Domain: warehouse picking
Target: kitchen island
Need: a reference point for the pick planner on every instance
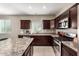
(17, 47)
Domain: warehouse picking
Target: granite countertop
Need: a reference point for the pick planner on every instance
(5, 47)
(71, 45)
(42, 34)
(15, 47)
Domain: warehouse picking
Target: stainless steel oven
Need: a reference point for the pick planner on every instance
(57, 46)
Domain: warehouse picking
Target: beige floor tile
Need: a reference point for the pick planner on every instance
(43, 51)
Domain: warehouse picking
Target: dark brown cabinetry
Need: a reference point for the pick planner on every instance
(62, 19)
(66, 51)
(51, 41)
(52, 24)
(46, 24)
(56, 22)
(73, 16)
(41, 40)
(25, 24)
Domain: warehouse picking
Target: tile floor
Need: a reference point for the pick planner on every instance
(43, 51)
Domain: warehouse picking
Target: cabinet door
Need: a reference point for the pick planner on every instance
(73, 17)
(52, 24)
(46, 24)
(51, 41)
(56, 22)
(45, 40)
(25, 24)
(41, 41)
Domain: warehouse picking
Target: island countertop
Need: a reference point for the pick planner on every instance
(15, 47)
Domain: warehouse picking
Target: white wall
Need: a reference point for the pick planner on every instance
(15, 23)
(78, 21)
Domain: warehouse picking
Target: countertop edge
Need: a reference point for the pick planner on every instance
(73, 48)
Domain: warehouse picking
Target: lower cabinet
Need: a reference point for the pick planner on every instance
(28, 51)
(66, 51)
(38, 41)
(41, 41)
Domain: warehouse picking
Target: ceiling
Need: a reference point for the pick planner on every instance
(31, 8)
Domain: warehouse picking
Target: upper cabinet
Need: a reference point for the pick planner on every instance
(56, 22)
(25, 24)
(46, 24)
(68, 19)
(62, 21)
(52, 24)
(73, 16)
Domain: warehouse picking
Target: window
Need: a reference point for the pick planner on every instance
(5, 26)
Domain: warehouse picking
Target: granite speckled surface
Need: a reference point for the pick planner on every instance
(71, 45)
(15, 47)
(42, 34)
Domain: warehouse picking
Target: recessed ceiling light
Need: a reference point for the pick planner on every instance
(44, 7)
(30, 7)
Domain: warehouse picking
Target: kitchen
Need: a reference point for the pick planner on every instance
(35, 33)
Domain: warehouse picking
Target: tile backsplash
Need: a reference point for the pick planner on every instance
(67, 30)
(38, 31)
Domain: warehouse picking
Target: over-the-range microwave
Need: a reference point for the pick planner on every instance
(64, 23)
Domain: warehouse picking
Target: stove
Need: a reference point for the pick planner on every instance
(57, 46)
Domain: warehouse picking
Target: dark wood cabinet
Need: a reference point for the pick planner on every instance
(56, 22)
(52, 25)
(46, 24)
(71, 13)
(62, 19)
(25, 24)
(67, 51)
(41, 41)
(51, 41)
(73, 17)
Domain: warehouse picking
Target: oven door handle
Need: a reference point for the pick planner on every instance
(57, 42)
